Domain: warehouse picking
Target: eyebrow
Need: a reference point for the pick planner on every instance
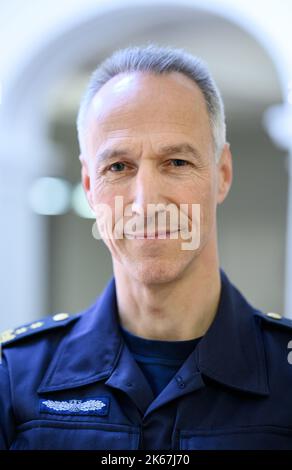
(183, 148)
(109, 154)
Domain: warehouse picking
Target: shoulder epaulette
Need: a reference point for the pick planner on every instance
(275, 318)
(45, 324)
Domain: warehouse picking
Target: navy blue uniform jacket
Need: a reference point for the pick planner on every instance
(73, 384)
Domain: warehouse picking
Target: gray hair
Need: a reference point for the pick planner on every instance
(159, 60)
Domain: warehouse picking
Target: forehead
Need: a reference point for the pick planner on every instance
(139, 89)
(146, 104)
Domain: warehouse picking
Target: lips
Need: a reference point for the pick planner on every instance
(161, 234)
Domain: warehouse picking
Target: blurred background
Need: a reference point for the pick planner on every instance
(50, 261)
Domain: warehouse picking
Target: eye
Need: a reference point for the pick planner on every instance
(116, 167)
(179, 162)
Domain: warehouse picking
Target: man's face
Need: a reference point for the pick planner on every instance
(148, 139)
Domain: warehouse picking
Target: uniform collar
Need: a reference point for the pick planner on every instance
(231, 352)
(90, 351)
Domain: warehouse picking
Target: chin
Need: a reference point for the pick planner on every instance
(151, 272)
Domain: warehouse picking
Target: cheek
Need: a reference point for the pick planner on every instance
(102, 193)
(105, 190)
(108, 207)
(203, 193)
(201, 190)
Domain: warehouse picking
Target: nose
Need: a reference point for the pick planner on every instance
(147, 191)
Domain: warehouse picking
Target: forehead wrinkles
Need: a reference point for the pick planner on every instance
(134, 128)
(127, 120)
(140, 140)
(145, 119)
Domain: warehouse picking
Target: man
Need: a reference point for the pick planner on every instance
(171, 356)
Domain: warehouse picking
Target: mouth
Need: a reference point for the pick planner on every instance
(151, 236)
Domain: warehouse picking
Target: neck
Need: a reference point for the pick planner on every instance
(178, 310)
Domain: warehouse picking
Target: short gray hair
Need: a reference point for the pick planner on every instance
(159, 60)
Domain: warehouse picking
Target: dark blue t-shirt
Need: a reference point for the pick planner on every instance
(159, 360)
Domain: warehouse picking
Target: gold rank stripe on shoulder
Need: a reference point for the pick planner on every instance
(275, 316)
(6, 336)
(9, 335)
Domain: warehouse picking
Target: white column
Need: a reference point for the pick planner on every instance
(278, 122)
(288, 280)
(23, 238)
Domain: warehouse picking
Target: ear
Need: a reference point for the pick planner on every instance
(85, 179)
(224, 168)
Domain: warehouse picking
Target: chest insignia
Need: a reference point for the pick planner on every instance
(92, 406)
